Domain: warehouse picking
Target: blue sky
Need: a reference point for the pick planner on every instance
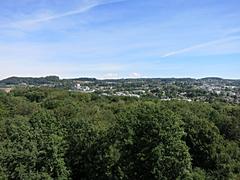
(120, 38)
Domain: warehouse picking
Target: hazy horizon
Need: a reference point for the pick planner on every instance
(79, 77)
(114, 39)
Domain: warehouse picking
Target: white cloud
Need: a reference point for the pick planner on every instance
(135, 75)
(110, 76)
(202, 45)
(84, 7)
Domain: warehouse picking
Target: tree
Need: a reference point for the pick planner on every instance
(145, 144)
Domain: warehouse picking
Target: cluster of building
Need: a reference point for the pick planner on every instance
(186, 90)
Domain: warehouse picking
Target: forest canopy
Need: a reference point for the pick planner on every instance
(48, 133)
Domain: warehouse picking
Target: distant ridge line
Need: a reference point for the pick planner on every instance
(53, 77)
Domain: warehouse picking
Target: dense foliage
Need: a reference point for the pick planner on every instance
(56, 134)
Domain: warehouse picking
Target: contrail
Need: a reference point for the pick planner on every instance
(85, 7)
(198, 46)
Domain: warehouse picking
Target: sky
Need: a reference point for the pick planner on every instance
(120, 38)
